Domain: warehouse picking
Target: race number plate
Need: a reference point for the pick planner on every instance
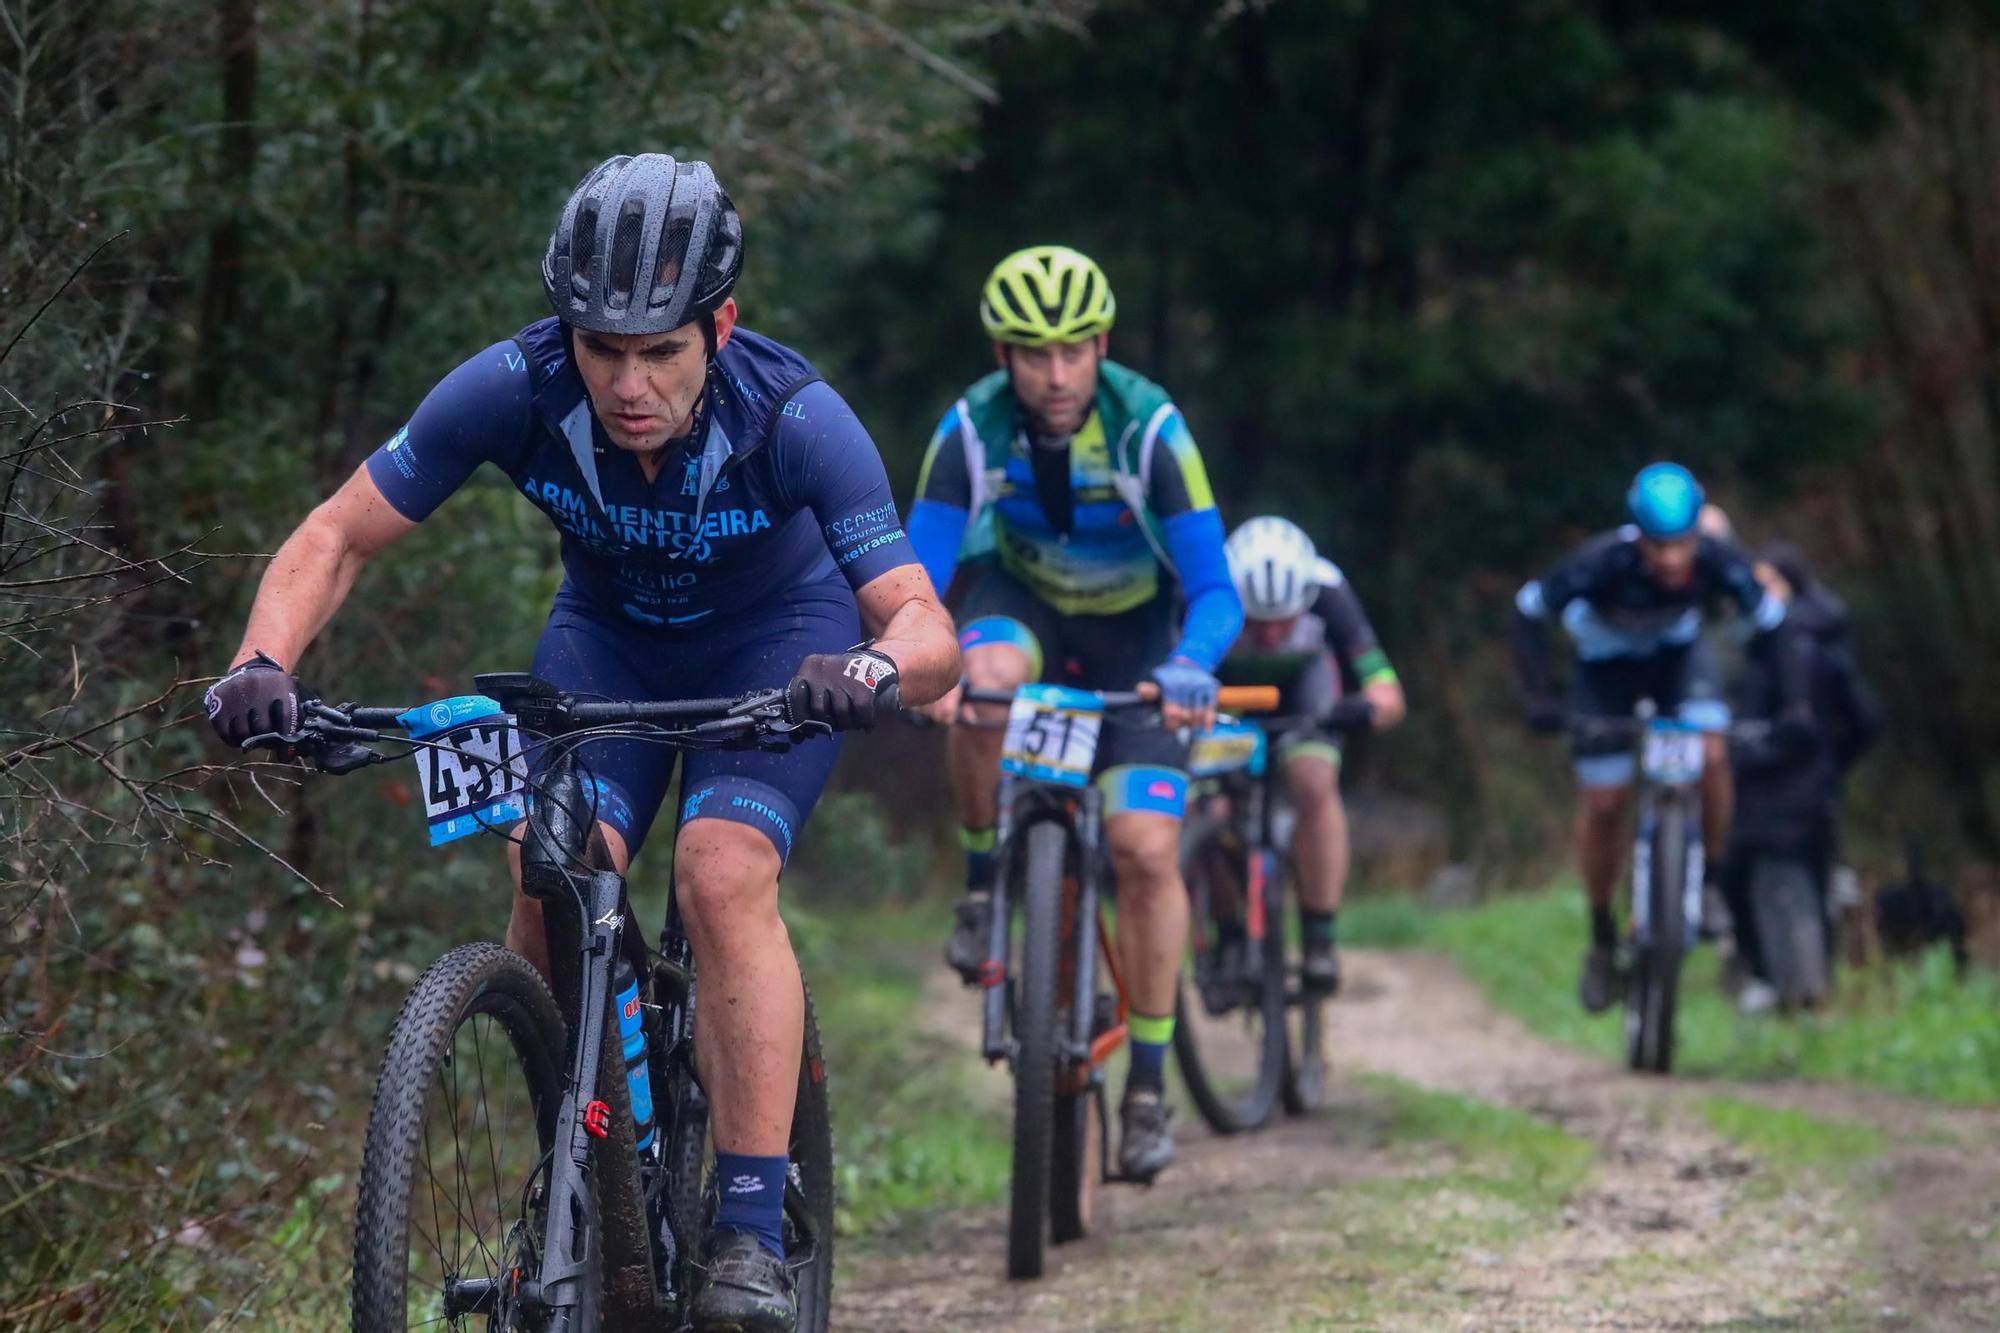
(1230, 746)
(472, 771)
(1052, 734)
(1673, 753)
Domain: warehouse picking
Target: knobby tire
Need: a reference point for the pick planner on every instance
(1227, 1114)
(470, 981)
(1656, 981)
(1036, 1042)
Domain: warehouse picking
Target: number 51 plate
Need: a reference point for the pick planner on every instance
(478, 781)
(1052, 734)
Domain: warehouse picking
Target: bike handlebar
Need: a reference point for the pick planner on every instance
(1228, 699)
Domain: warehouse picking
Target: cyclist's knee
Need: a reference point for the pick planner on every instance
(725, 875)
(997, 666)
(1602, 805)
(1145, 849)
(1312, 783)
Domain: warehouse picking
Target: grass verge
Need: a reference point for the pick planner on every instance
(1911, 1028)
(1793, 1140)
(908, 1138)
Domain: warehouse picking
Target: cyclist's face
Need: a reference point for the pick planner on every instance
(643, 386)
(1056, 384)
(1269, 635)
(1670, 560)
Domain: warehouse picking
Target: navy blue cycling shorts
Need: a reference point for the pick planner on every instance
(588, 653)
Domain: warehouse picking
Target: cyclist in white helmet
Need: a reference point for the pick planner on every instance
(1305, 632)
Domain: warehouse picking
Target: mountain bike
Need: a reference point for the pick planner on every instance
(1045, 1011)
(1242, 990)
(538, 1159)
(1667, 870)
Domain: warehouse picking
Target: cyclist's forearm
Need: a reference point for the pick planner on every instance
(304, 585)
(1387, 696)
(902, 613)
(1531, 660)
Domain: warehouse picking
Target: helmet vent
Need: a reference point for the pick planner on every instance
(667, 272)
(623, 274)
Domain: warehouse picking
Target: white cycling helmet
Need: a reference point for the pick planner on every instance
(1275, 568)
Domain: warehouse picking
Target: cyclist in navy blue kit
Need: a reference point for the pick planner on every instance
(1632, 601)
(726, 525)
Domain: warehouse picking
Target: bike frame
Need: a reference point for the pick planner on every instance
(1024, 801)
(1651, 797)
(562, 866)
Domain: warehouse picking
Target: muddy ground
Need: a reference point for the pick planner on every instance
(1558, 1193)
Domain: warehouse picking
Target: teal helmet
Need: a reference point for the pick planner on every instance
(1665, 500)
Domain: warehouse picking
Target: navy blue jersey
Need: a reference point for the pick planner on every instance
(1613, 606)
(782, 487)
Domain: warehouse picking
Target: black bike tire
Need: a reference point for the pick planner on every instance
(1305, 1064)
(1232, 1115)
(1791, 930)
(1669, 931)
(812, 1159)
(692, 1192)
(1035, 1046)
(470, 980)
(1075, 1145)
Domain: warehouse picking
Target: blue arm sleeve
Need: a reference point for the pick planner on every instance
(936, 529)
(840, 477)
(1214, 613)
(480, 412)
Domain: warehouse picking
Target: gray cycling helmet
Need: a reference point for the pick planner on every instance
(643, 246)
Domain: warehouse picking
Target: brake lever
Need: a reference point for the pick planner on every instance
(346, 758)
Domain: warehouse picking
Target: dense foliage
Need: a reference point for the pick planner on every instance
(1431, 279)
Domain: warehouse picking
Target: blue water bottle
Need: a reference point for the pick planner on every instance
(632, 1041)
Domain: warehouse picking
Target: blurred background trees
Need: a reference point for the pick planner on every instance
(1430, 279)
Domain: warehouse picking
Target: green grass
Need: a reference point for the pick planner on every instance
(908, 1138)
(1793, 1139)
(1497, 1149)
(1913, 1028)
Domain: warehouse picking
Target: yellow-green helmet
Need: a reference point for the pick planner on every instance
(1046, 294)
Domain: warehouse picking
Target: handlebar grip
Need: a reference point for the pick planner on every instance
(1247, 698)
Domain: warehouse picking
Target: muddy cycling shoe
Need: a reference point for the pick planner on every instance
(1145, 1143)
(965, 951)
(745, 1289)
(1599, 987)
(1319, 968)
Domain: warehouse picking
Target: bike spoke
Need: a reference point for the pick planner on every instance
(492, 1159)
(464, 1183)
(445, 1265)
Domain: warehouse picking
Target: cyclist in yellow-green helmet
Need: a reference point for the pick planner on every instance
(1071, 493)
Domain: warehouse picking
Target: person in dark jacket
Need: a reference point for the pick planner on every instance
(1788, 783)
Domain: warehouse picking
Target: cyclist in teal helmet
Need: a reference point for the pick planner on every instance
(1665, 501)
(1632, 601)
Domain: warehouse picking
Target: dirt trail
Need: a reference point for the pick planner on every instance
(1333, 1221)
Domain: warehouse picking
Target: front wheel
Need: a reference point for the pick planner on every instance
(1230, 1024)
(1656, 970)
(1037, 1049)
(454, 1170)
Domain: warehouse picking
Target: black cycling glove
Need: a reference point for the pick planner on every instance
(1547, 715)
(1354, 712)
(842, 690)
(258, 698)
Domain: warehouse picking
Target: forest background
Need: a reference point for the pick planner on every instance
(1431, 280)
